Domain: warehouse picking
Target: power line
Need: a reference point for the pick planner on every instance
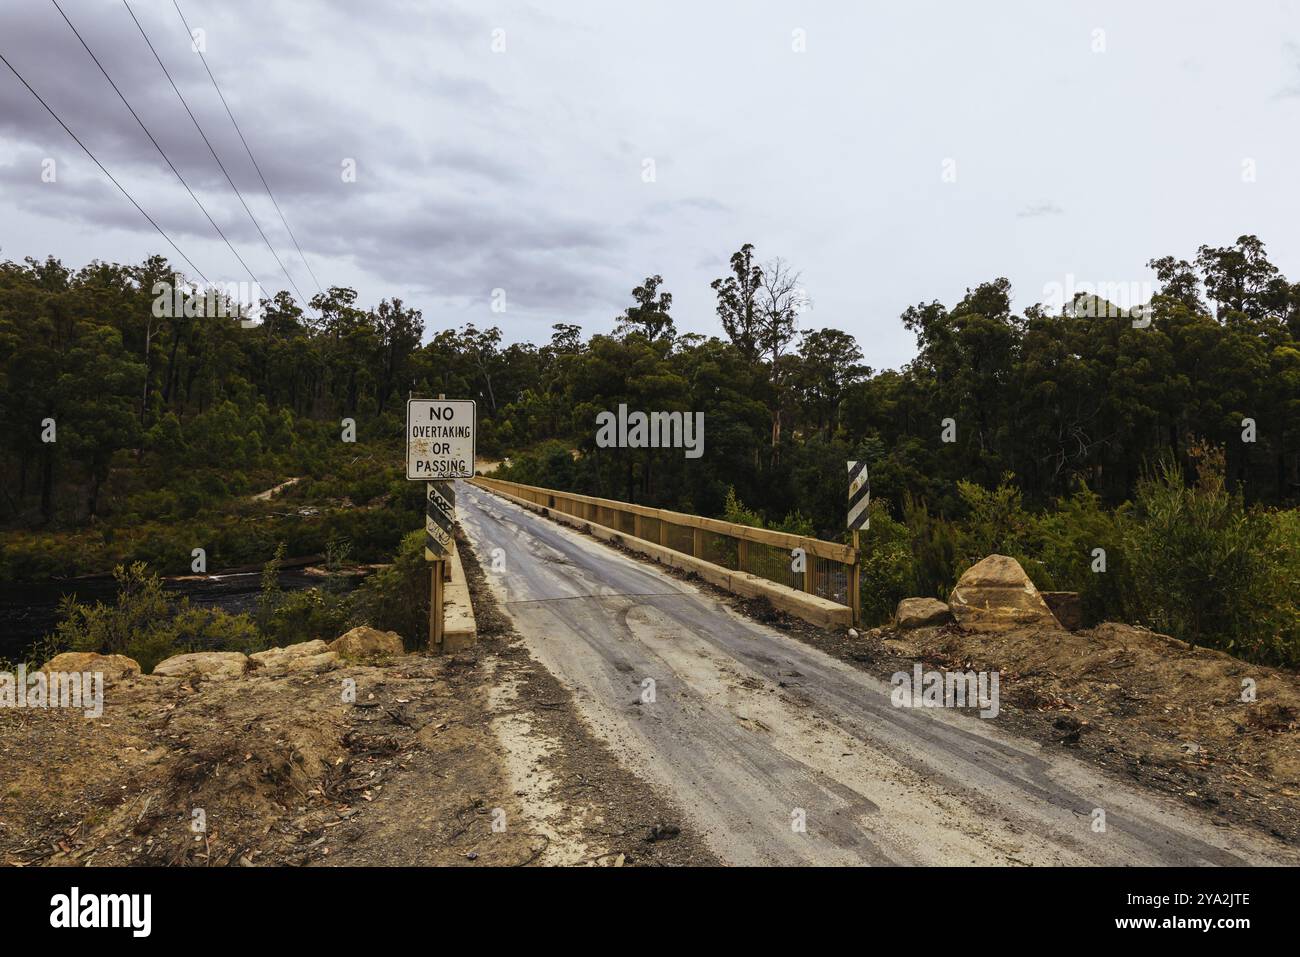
(213, 151)
(249, 150)
(105, 171)
(160, 150)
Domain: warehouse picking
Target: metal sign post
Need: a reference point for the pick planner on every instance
(440, 447)
(859, 518)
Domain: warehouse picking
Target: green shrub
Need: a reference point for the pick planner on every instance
(396, 598)
(549, 465)
(934, 549)
(1205, 568)
(995, 523)
(734, 511)
(305, 615)
(1067, 539)
(885, 555)
(147, 624)
(796, 523)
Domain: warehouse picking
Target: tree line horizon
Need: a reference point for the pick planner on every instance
(1053, 400)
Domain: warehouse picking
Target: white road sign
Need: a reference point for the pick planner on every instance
(440, 439)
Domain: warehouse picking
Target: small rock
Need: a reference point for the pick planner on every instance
(1072, 727)
(661, 832)
(314, 664)
(311, 657)
(366, 642)
(208, 664)
(921, 613)
(112, 667)
(276, 656)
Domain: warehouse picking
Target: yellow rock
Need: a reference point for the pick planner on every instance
(995, 594)
(366, 642)
(113, 667)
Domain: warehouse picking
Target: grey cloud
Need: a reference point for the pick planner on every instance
(522, 170)
(1292, 89)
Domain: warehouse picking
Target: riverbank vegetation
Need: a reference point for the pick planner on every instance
(1165, 437)
(147, 623)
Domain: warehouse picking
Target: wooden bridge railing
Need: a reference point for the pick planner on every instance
(828, 567)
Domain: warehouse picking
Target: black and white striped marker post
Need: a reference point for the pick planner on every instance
(859, 518)
(859, 496)
(439, 516)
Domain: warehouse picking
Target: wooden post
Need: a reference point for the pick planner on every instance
(855, 584)
(439, 567)
(435, 605)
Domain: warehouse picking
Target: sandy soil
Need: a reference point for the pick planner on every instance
(473, 759)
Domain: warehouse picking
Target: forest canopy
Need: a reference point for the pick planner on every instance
(1087, 395)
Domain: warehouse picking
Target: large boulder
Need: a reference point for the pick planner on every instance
(921, 613)
(366, 642)
(995, 594)
(112, 667)
(208, 664)
(305, 656)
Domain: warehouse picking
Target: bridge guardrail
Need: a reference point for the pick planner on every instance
(828, 568)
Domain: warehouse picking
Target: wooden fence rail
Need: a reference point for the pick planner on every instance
(828, 567)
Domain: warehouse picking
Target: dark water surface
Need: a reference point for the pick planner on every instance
(29, 610)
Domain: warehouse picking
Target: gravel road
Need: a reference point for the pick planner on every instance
(781, 754)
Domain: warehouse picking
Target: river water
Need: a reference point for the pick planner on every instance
(29, 610)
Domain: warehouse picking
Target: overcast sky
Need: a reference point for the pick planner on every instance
(1086, 138)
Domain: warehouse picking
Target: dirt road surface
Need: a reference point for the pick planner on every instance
(780, 754)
